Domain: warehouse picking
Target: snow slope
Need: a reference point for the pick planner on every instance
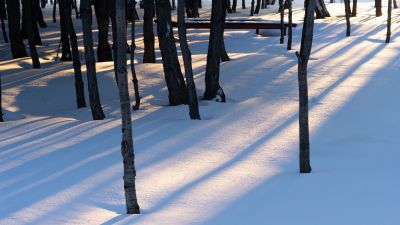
(239, 164)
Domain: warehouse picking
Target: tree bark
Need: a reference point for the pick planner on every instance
(95, 105)
(258, 6)
(65, 42)
(31, 39)
(282, 21)
(173, 74)
(243, 4)
(187, 60)
(303, 57)
(378, 8)
(395, 4)
(347, 14)
(354, 11)
(290, 30)
(3, 16)
(213, 87)
(16, 43)
(389, 21)
(192, 8)
(102, 12)
(234, 5)
(224, 55)
(252, 8)
(79, 86)
(1, 106)
(127, 150)
(148, 34)
(321, 10)
(133, 71)
(54, 11)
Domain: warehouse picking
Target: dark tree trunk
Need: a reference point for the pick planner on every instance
(133, 71)
(321, 10)
(224, 54)
(303, 57)
(282, 21)
(378, 7)
(31, 39)
(258, 6)
(213, 87)
(35, 9)
(79, 87)
(3, 16)
(234, 5)
(127, 150)
(200, 4)
(1, 106)
(102, 11)
(389, 21)
(173, 74)
(192, 8)
(148, 34)
(354, 11)
(290, 31)
(243, 4)
(347, 14)
(252, 8)
(13, 13)
(39, 14)
(173, 5)
(95, 105)
(228, 6)
(65, 44)
(187, 60)
(54, 11)
(395, 4)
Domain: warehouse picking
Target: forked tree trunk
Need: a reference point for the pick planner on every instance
(290, 30)
(102, 11)
(303, 57)
(95, 105)
(378, 7)
(14, 16)
(172, 70)
(79, 87)
(187, 60)
(389, 21)
(213, 88)
(282, 21)
(132, 206)
(354, 10)
(347, 14)
(133, 71)
(148, 34)
(31, 39)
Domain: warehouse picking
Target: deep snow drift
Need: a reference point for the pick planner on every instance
(239, 165)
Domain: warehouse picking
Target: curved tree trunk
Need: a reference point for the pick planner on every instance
(173, 74)
(133, 71)
(187, 60)
(127, 151)
(102, 11)
(31, 39)
(17, 46)
(148, 34)
(95, 105)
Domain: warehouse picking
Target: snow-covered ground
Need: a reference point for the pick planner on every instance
(239, 164)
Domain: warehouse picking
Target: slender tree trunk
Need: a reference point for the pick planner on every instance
(65, 42)
(243, 4)
(54, 11)
(347, 14)
(228, 7)
(79, 87)
(1, 106)
(213, 87)
(354, 11)
(290, 30)
(95, 105)
(282, 23)
(389, 21)
(102, 11)
(127, 150)
(35, 9)
(133, 71)
(234, 5)
(303, 57)
(3, 16)
(224, 55)
(378, 7)
(173, 5)
(258, 6)
(148, 34)
(14, 15)
(395, 4)
(173, 74)
(187, 60)
(252, 8)
(31, 39)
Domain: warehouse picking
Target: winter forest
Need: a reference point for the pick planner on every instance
(219, 112)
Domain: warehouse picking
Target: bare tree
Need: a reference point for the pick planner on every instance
(389, 21)
(303, 57)
(282, 16)
(127, 151)
(187, 60)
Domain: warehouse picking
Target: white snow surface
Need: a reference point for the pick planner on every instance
(239, 164)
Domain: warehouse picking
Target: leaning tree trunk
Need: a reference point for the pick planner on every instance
(148, 34)
(303, 57)
(65, 44)
(187, 60)
(290, 29)
(173, 74)
(14, 15)
(95, 105)
(127, 151)
(213, 87)
(347, 14)
(389, 21)
(354, 10)
(31, 39)
(258, 6)
(102, 11)
(133, 71)
(79, 87)
(378, 7)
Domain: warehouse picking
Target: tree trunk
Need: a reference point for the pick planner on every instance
(173, 74)
(258, 6)
(127, 150)
(282, 21)
(54, 11)
(31, 39)
(354, 11)
(79, 87)
(224, 55)
(228, 7)
(39, 14)
(3, 16)
(252, 8)
(95, 105)
(192, 8)
(13, 13)
(187, 60)
(148, 34)
(234, 5)
(389, 21)
(102, 11)
(1, 106)
(173, 5)
(213, 87)
(378, 7)
(321, 10)
(243, 4)
(290, 30)
(305, 51)
(347, 14)
(395, 4)
(65, 42)
(133, 71)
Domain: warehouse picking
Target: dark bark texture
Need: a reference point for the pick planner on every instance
(102, 11)
(65, 42)
(347, 14)
(290, 28)
(14, 16)
(354, 10)
(132, 58)
(389, 21)
(378, 7)
(148, 34)
(31, 39)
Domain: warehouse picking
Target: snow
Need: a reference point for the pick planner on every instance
(239, 164)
